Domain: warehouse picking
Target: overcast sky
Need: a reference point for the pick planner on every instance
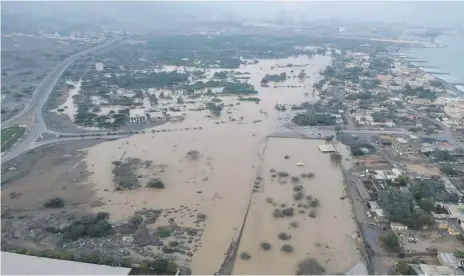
(431, 13)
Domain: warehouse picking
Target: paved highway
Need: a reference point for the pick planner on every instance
(39, 98)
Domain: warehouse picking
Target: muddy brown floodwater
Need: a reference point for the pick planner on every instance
(220, 182)
(325, 237)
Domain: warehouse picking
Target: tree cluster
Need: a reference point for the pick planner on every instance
(314, 119)
(274, 78)
(91, 225)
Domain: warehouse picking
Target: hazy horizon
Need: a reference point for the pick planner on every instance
(144, 14)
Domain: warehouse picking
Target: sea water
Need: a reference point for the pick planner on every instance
(448, 61)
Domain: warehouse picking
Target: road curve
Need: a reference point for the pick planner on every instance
(50, 80)
(39, 98)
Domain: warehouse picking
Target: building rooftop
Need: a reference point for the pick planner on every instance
(326, 148)
(396, 224)
(425, 269)
(17, 264)
(138, 112)
(401, 140)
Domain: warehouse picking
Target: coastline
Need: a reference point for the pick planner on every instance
(447, 75)
(455, 88)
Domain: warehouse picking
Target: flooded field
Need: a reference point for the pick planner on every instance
(299, 211)
(294, 89)
(208, 165)
(219, 182)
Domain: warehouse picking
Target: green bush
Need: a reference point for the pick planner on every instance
(288, 212)
(282, 174)
(390, 241)
(91, 225)
(310, 267)
(298, 196)
(287, 248)
(266, 246)
(245, 256)
(312, 214)
(298, 188)
(163, 233)
(284, 236)
(315, 203)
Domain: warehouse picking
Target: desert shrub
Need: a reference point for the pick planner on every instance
(282, 174)
(116, 162)
(284, 236)
(310, 175)
(167, 250)
(312, 214)
(193, 154)
(201, 216)
(294, 224)
(295, 179)
(310, 267)
(288, 212)
(266, 246)
(269, 200)
(103, 215)
(173, 243)
(272, 170)
(309, 197)
(278, 214)
(298, 188)
(315, 203)
(56, 202)
(298, 196)
(245, 256)
(155, 183)
(287, 248)
(91, 225)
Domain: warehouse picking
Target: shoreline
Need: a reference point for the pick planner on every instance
(448, 85)
(455, 86)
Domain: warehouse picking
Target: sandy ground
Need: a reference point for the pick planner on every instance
(44, 173)
(325, 237)
(432, 239)
(423, 169)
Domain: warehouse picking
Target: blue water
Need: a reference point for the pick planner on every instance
(448, 60)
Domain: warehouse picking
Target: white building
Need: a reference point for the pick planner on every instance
(137, 115)
(176, 116)
(99, 66)
(157, 116)
(395, 226)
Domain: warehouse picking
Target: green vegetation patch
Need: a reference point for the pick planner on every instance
(11, 135)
